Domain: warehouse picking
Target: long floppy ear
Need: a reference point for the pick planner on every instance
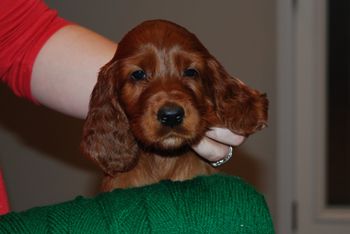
(240, 108)
(106, 134)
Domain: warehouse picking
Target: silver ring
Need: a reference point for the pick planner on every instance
(225, 159)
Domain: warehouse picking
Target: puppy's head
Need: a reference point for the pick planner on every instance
(161, 92)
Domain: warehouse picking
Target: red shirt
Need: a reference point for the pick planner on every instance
(25, 26)
(4, 204)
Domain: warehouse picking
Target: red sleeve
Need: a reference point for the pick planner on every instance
(25, 26)
(4, 204)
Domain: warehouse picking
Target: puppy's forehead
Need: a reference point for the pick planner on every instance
(165, 61)
(161, 48)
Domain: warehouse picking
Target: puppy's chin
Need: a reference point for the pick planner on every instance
(171, 143)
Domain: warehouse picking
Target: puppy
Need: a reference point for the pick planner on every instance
(158, 95)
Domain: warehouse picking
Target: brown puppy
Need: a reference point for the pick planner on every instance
(158, 96)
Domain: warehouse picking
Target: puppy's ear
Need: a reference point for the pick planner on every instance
(106, 134)
(241, 109)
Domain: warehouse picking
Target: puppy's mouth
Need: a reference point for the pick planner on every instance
(169, 127)
(171, 144)
(172, 133)
(168, 143)
(173, 140)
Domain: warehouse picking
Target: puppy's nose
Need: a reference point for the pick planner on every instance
(171, 116)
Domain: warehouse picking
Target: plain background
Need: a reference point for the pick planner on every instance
(39, 148)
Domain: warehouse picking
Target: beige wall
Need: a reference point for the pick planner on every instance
(39, 148)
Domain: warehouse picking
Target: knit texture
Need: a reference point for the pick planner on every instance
(208, 204)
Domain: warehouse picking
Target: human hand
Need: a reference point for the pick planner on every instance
(215, 145)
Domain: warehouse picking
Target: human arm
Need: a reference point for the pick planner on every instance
(65, 70)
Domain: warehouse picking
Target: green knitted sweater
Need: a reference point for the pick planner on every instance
(212, 204)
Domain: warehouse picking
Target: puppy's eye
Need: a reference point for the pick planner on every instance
(138, 75)
(190, 72)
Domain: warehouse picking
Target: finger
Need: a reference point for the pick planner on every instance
(225, 136)
(210, 149)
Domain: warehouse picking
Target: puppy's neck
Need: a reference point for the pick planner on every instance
(153, 168)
